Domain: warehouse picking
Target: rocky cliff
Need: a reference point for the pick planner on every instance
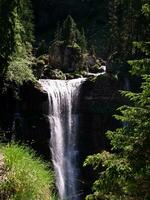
(99, 99)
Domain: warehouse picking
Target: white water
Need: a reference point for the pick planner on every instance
(63, 104)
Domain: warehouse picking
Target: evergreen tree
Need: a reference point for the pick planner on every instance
(58, 33)
(26, 17)
(6, 35)
(16, 37)
(126, 23)
(113, 25)
(81, 40)
(70, 34)
(69, 30)
(125, 172)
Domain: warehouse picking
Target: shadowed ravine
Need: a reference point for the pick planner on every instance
(63, 118)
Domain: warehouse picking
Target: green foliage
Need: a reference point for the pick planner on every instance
(16, 37)
(6, 36)
(126, 24)
(125, 172)
(58, 33)
(109, 184)
(54, 74)
(82, 40)
(141, 66)
(128, 168)
(19, 71)
(70, 35)
(146, 9)
(69, 30)
(110, 25)
(26, 17)
(27, 177)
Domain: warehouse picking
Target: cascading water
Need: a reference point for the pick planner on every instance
(63, 104)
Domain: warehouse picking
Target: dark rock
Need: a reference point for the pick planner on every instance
(31, 122)
(64, 57)
(54, 74)
(32, 96)
(71, 59)
(100, 98)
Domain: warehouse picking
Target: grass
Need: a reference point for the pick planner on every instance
(27, 177)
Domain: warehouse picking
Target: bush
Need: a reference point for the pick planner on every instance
(19, 70)
(27, 177)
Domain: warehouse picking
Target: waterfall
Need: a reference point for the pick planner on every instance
(63, 118)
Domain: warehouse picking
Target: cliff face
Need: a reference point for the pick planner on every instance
(99, 100)
(98, 105)
(31, 124)
(70, 58)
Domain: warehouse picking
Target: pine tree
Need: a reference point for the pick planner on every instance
(126, 24)
(69, 30)
(26, 17)
(6, 35)
(69, 34)
(127, 168)
(16, 40)
(113, 25)
(58, 33)
(81, 40)
(125, 172)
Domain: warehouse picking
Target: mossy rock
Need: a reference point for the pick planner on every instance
(107, 76)
(38, 68)
(73, 75)
(43, 58)
(69, 76)
(95, 68)
(78, 75)
(102, 77)
(54, 74)
(40, 63)
(75, 48)
(57, 43)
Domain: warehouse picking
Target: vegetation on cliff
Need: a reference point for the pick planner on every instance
(16, 38)
(127, 168)
(110, 28)
(110, 25)
(68, 53)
